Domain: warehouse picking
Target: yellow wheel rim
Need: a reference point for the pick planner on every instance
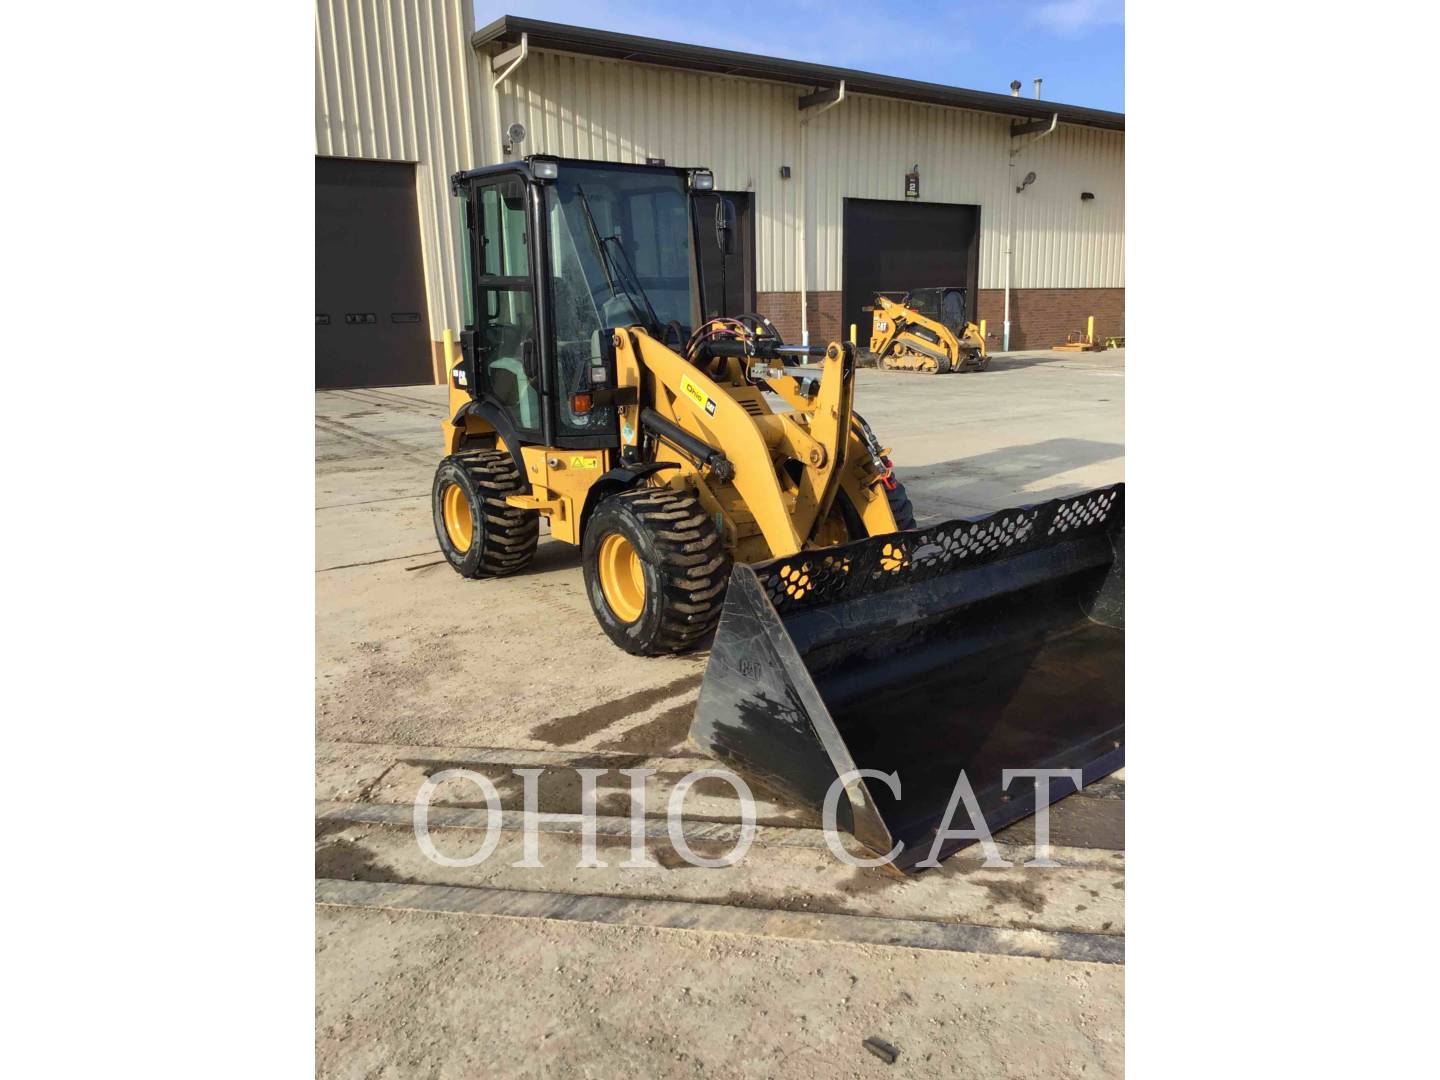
(622, 577)
(458, 524)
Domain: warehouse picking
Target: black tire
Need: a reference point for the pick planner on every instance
(900, 506)
(684, 565)
(502, 538)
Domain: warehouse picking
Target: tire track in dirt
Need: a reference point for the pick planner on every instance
(372, 441)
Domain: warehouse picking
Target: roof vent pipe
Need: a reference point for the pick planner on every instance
(1037, 88)
(1015, 88)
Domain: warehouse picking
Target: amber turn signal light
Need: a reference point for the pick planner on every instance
(580, 404)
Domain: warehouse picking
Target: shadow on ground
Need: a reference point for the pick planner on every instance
(990, 479)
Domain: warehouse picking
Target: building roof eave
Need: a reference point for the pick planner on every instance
(507, 29)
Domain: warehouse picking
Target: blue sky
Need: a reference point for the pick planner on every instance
(1076, 46)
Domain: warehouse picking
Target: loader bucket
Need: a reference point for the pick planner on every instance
(983, 644)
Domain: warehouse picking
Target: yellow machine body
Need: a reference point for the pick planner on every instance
(905, 338)
(765, 509)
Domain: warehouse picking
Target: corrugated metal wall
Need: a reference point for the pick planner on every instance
(616, 111)
(395, 80)
(746, 130)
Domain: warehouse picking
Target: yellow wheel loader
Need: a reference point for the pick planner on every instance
(718, 479)
(926, 330)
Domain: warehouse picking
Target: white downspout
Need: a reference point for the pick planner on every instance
(804, 212)
(495, 93)
(1010, 233)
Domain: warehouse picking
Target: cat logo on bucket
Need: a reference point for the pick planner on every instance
(695, 394)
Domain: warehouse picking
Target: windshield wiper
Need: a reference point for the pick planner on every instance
(595, 238)
(635, 280)
(608, 265)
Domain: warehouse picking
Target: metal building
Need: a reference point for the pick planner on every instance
(845, 182)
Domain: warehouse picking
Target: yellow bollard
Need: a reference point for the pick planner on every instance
(1090, 330)
(852, 333)
(449, 349)
(982, 329)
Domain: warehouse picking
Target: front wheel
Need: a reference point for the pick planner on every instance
(655, 570)
(900, 509)
(900, 506)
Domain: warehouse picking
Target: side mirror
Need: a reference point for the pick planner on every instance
(725, 225)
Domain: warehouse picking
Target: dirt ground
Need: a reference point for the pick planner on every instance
(776, 966)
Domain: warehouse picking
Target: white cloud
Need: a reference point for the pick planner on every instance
(1070, 18)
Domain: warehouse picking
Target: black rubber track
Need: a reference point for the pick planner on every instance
(691, 563)
(505, 540)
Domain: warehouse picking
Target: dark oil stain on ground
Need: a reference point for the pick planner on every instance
(666, 855)
(350, 860)
(867, 880)
(1012, 891)
(566, 730)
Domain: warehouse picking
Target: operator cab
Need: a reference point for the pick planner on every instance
(945, 305)
(557, 253)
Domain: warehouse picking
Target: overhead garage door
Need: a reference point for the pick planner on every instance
(371, 324)
(893, 246)
(729, 289)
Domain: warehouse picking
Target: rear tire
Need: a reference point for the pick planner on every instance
(655, 570)
(481, 535)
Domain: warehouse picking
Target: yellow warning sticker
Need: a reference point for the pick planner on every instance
(691, 390)
(579, 461)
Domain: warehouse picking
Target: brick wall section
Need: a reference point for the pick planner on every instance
(1040, 318)
(783, 309)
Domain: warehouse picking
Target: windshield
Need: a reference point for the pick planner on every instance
(621, 249)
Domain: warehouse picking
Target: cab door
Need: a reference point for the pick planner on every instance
(952, 309)
(504, 333)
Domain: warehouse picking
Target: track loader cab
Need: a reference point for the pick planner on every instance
(589, 391)
(945, 306)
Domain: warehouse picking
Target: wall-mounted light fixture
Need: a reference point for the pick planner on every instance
(784, 172)
(1029, 179)
(1086, 196)
(514, 136)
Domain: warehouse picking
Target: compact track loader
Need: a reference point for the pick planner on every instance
(926, 330)
(589, 391)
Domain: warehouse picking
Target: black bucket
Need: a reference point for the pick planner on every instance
(984, 644)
